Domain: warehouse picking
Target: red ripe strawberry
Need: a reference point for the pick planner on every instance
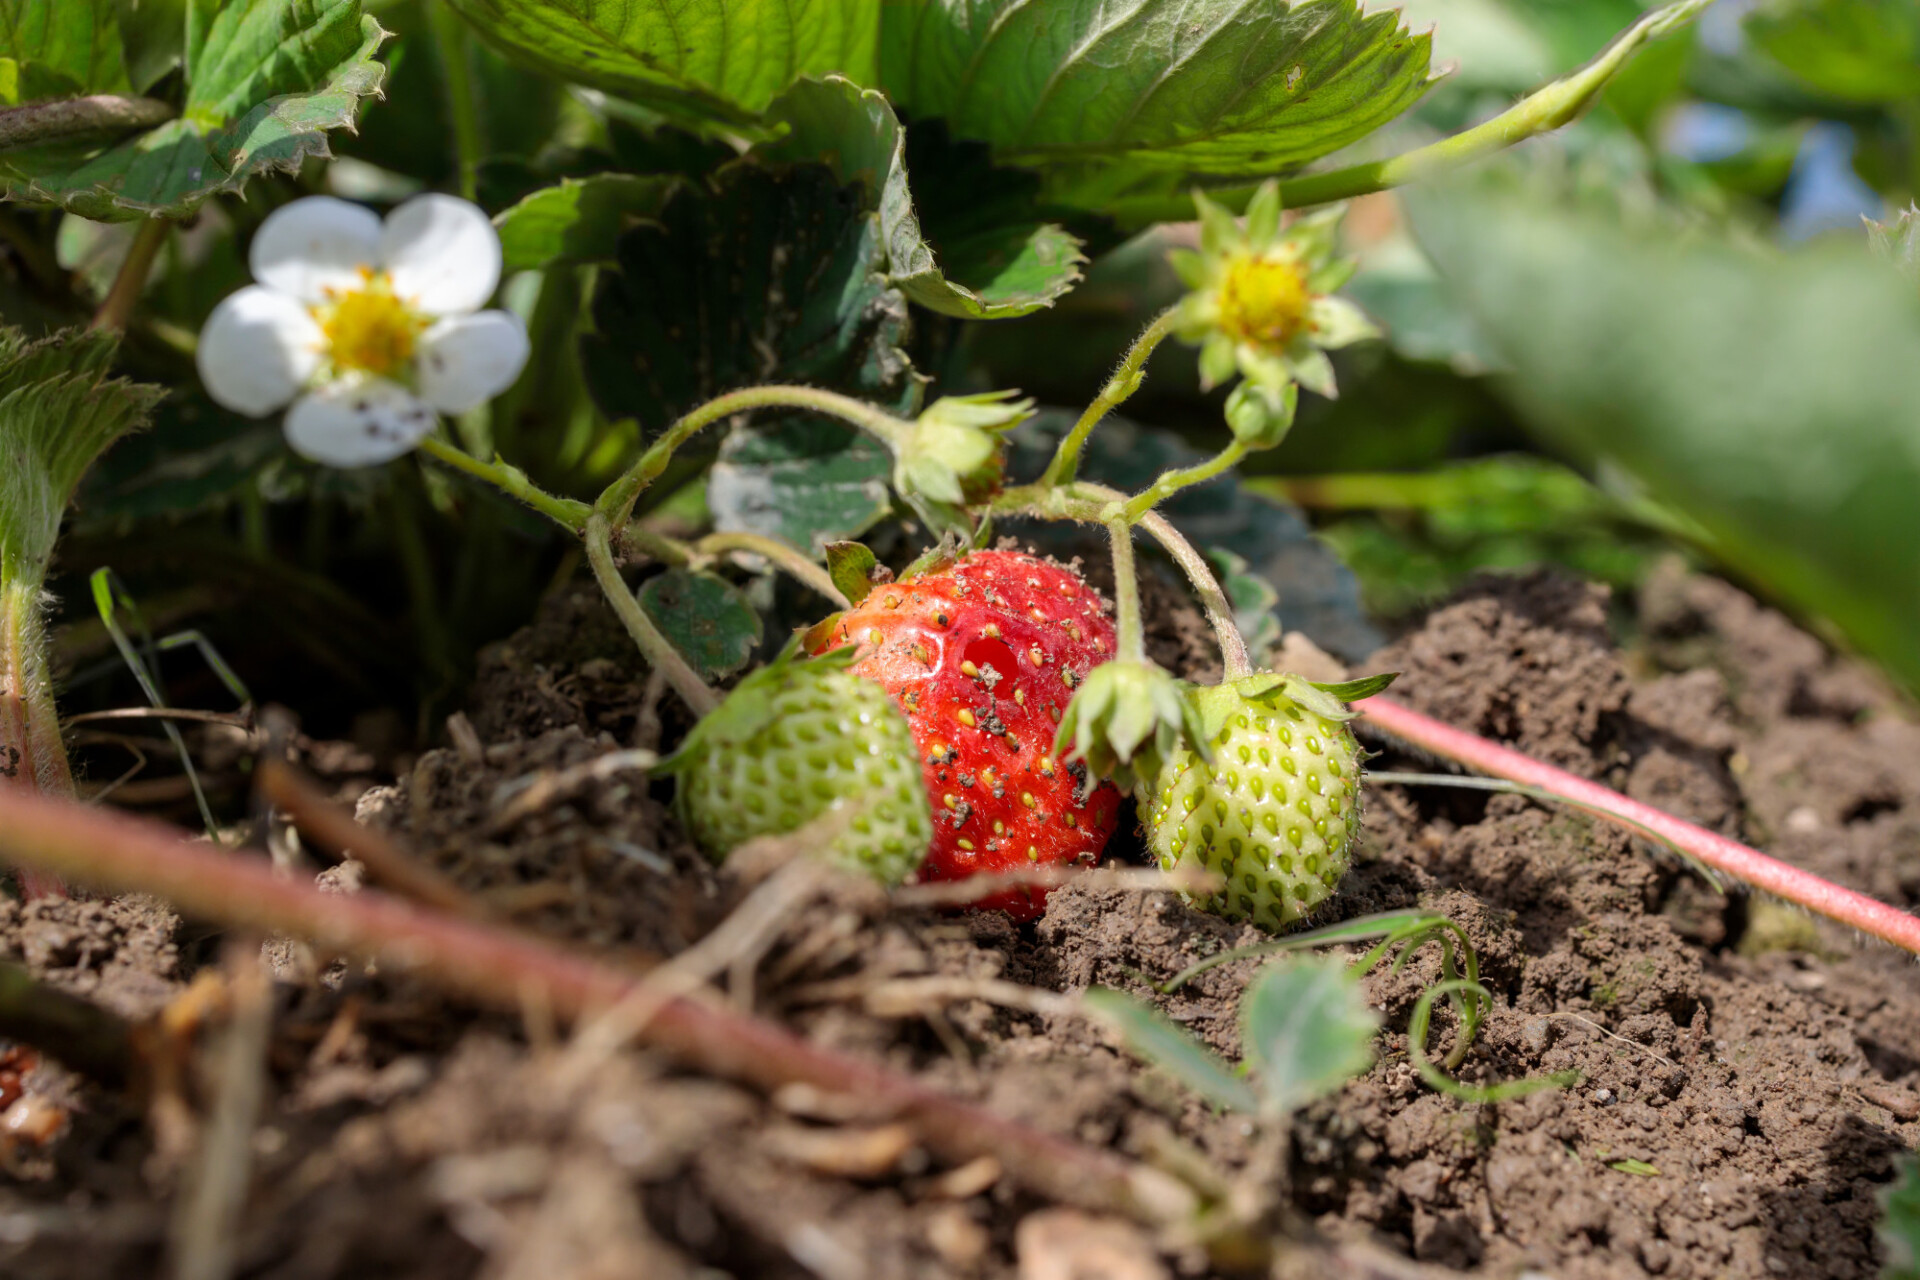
(983, 657)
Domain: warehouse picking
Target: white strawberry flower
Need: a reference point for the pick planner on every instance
(368, 328)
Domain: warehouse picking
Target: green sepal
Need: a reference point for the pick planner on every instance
(1355, 690)
(851, 566)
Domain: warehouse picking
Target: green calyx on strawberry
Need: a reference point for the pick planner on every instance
(1127, 719)
(1276, 811)
(955, 452)
(794, 740)
(982, 655)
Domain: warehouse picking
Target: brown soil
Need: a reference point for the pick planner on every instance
(1747, 1074)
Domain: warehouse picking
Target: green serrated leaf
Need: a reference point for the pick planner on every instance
(851, 567)
(578, 219)
(1856, 50)
(1900, 1227)
(715, 62)
(1216, 87)
(1306, 1029)
(59, 410)
(266, 80)
(1355, 690)
(705, 617)
(1156, 1041)
(995, 273)
(74, 41)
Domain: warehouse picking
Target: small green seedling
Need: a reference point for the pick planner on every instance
(1305, 1030)
(1900, 1228)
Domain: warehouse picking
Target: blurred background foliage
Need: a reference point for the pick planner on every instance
(1659, 331)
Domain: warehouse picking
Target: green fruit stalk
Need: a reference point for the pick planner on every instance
(1276, 812)
(794, 740)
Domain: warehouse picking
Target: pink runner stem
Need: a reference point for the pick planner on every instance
(1823, 897)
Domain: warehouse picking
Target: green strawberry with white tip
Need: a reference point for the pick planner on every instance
(1276, 811)
(797, 738)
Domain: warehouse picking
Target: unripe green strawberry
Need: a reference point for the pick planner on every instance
(1277, 810)
(795, 739)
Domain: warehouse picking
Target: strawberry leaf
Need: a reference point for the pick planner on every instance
(1151, 1038)
(577, 219)
(266, 80)
(705, 618)
(999, 271)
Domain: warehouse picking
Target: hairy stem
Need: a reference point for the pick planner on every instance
(782, 555)
(1749, 866)
(1094, 504)
(1542, 111)
(1172, 482)
(1131, 634)
(32, 756)
(512, 481)
(656, 648)
(1125, 381)
(505, 969)
(117, 307)
(618, 499)
(99, 115)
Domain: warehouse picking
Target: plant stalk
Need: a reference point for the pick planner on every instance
(1749, 866)
(1542, 111)
(503, 969)
(569, 514)
(656, 648)
(117, 307)
(1125, 381)
(1131, 635)
(450, 41)
(1093, 504)
(32, 756)
(616, 503)
(1173, 482)
(781, 554)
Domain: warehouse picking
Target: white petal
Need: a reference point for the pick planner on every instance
(467, 360)
(313, 245)
(443, 254)
(257, 350)
(357, 422)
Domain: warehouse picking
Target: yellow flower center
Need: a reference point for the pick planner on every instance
(370, 328)
(1263, 301)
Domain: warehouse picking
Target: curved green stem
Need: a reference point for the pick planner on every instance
(1125, 381)
(568, 513)
(450, 40)
(1542, 111)
(1096, 504)
(1173, 482)
(1126, 594)
(117, 307)
(99, 115)
(783, 556)
(656, 648)
(618, 499)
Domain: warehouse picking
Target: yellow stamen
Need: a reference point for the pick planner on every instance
(371, 328)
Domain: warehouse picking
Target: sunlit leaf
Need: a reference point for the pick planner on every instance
(1210, 87)
(266, 80)
(697, 60)
(1768, 397)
